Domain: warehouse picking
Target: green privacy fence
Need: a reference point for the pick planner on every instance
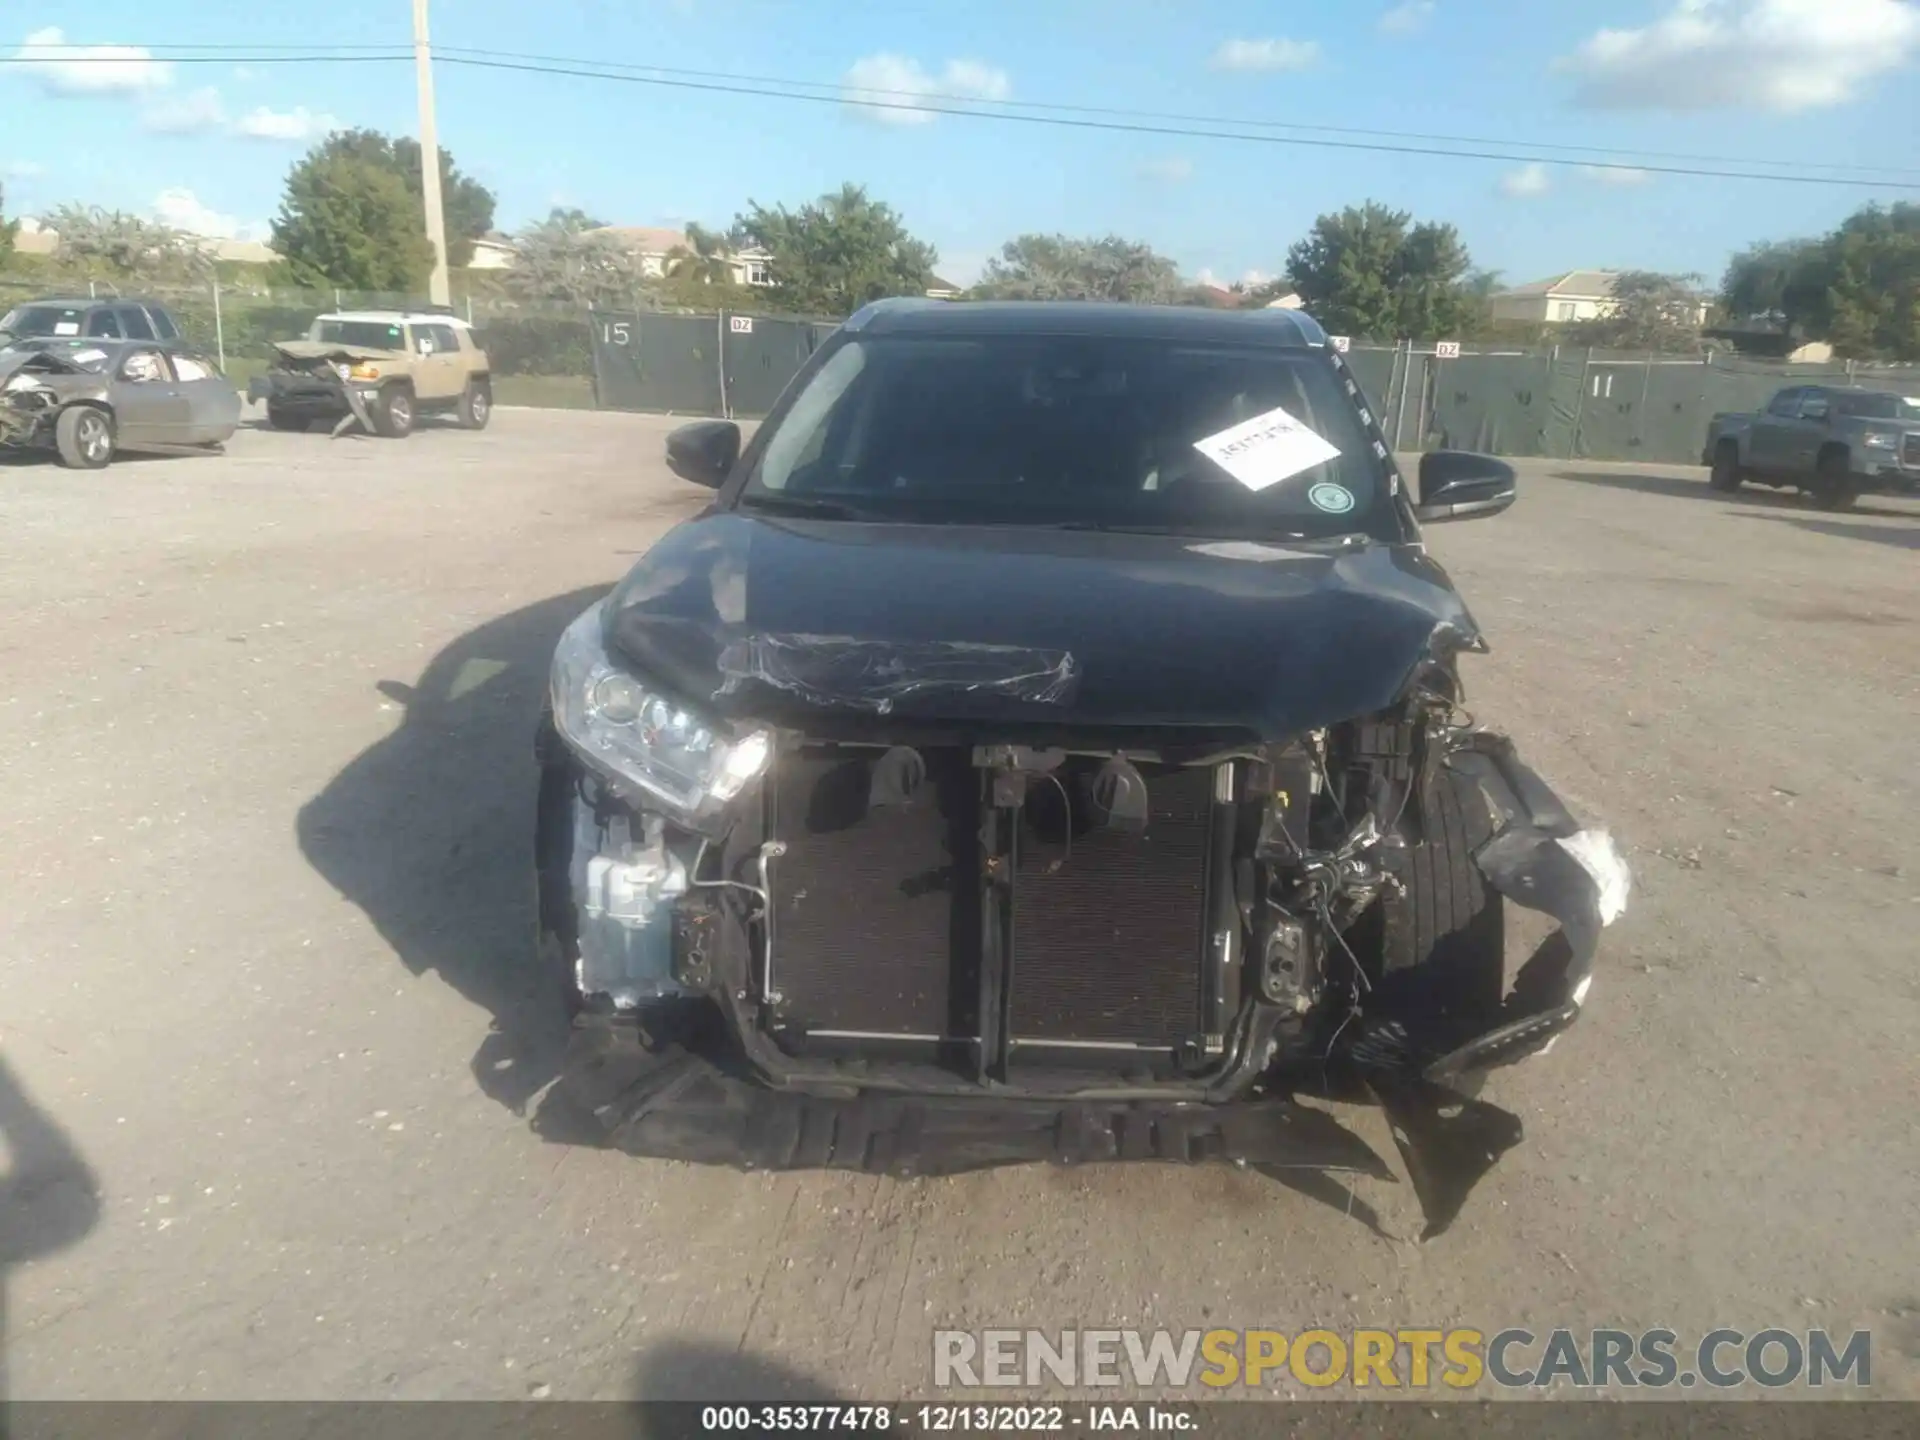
(1580, 404)
(1563, 403)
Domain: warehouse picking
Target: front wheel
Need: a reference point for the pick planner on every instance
(1836, 488)
(83, 436)
(476, 405)
(393, 412)
(1726, 476)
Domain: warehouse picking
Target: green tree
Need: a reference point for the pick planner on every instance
(114, 245)
(467, 204)
(572, 219)
(1061, 267)
(835, 254)
(1370, 272)
(345, 221)
(1649, 311)
(8, 229)
(704, 260)
(1858, 288)
(559, 261)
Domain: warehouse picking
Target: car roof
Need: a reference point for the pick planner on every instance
(88, 302)
(434, 317)
(1281, 329)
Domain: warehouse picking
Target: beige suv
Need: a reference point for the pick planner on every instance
(385, 368)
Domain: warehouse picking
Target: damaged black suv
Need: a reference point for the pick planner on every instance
(1048, 746)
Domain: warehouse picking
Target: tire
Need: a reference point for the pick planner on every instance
(282, 419)
(1442, 944)
(476, 405)
(393, 412)
(1726, 475)
(1836, 488)
(83, 435)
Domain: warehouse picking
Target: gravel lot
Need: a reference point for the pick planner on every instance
(266, 930)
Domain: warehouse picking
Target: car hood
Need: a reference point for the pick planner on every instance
(333, 350)
(786, 620)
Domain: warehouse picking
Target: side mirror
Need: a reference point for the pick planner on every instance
(1459, 485)
(704, 452)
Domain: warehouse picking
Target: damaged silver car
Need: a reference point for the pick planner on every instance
(1048, 746)
(84, 400)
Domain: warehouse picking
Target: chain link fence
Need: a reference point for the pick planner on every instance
(1562, 403)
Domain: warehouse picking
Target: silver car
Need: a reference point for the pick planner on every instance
(85, 399)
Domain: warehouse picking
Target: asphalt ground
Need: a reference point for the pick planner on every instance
(270, 1055)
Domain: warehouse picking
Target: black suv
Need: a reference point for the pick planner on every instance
(1048, 746)
(118, 318)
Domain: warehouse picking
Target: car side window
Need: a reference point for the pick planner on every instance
(134, 319)
(104, 325)
(144, 367)
(423, 340)
(445, 340)
(1815, 405)
(191, 367)
(1786, 403)
(163, 324)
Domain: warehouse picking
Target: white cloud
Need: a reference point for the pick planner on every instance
(1267, 55)
(1616, 174)
(1527, 181)
(1167, 169)
(183, 210)
(190, 114)
(90, 69)
(1780, 55)
(1408, 18)
(297, 125)
(898, 80)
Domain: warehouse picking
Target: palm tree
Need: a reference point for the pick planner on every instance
(704, 259)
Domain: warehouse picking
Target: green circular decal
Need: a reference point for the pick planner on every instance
(1332, 498)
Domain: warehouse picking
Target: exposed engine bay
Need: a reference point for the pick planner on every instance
(37, 378)
(1145, 949)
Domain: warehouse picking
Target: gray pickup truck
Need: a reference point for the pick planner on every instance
(1834, 442)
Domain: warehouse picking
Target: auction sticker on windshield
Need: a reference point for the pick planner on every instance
(1333, 499)
(1267, 449)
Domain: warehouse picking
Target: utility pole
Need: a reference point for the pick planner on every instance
(437, 290)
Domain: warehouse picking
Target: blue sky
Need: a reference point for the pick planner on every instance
(1798, 82)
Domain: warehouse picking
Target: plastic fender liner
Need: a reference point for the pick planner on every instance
(1542, 858)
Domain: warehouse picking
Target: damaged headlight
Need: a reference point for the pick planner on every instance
(623, 726)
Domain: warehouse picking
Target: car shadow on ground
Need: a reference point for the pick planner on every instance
(1904, 538)
(1686, 488)
(49, 1197)
(430, 832)
(723, 1375)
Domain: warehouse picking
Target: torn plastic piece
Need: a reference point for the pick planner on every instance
(626, 924)
(876, 674)
(1267, 449)
(1540, 857)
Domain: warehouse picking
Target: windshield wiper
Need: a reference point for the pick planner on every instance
(810, 505)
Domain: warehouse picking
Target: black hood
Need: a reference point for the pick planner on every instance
(783, 620)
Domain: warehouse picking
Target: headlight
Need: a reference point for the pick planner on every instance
(365, 371)
(1880, 439)
(623, 726)
(342, 369)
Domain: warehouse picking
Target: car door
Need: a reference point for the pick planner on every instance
(1810, 431)
(147, 405)
(1771, 433)
(213, 405)
(439, 372)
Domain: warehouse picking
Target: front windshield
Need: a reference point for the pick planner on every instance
(43, 320)
(1049, 430)
(362, 334)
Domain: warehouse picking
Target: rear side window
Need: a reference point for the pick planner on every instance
(104, 324)
(192, 367)
(135, 320)
(163, 323)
